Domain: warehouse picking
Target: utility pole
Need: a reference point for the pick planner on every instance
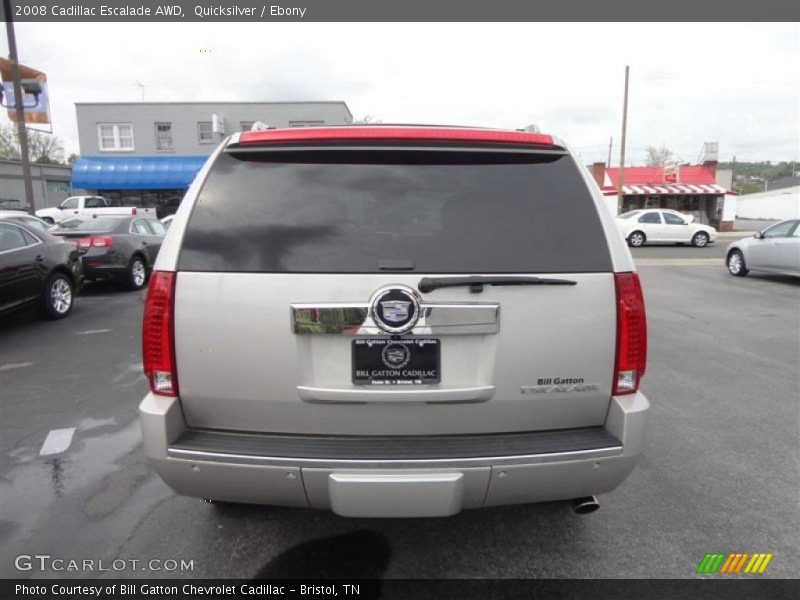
(610, 143)
(621, 178)
(19, 106)
(733, 173)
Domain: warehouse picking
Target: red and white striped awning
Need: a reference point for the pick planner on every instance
(673, 189)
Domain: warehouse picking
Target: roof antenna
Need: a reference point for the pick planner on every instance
(140, 85)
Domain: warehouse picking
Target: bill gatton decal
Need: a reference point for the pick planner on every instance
(546, 385)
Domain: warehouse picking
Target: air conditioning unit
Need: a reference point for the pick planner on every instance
(218, 124)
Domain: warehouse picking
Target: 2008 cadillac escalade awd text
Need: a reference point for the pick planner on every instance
(394, 321)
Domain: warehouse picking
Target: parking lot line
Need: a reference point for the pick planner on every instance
(92, 331)
(9, 366)
(57, 441)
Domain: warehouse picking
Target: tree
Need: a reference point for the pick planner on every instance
(43, 148)
(658, 156)
(72, 158)
(367, 120)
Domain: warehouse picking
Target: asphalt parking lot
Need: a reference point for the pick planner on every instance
(720, 474)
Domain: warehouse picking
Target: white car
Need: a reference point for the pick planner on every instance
(648, 225)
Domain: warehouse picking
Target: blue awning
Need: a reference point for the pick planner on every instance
(135, 173)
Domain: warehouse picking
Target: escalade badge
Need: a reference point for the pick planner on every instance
(395, 309)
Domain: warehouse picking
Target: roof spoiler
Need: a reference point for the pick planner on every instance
(395, 134)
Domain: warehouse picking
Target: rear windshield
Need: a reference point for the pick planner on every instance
(88, 224)
(367, 211)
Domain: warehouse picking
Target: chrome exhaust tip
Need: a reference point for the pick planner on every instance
(584, 506)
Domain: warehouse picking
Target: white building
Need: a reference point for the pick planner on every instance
(772, 205)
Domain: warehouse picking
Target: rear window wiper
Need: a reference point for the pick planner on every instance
(476, 282)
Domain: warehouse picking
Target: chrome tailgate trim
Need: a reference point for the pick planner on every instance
(436, 318)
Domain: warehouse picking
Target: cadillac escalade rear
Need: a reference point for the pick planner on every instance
(391, 322)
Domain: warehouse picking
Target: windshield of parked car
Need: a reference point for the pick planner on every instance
(628, 214)
(88, 224)
(779, 230)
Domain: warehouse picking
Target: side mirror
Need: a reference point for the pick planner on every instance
(690, 219)
(60, 207)
(758, 235)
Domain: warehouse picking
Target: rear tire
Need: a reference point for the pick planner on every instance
(700, 239)
(736, 265)
(57, 297)
(137, 273)
(636, 239)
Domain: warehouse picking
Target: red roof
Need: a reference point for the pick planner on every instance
(655, 175)
(385, 133)
(651, 181)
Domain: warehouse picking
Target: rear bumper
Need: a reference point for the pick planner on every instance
(406, 476)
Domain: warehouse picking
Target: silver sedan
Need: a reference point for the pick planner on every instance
(775, 250)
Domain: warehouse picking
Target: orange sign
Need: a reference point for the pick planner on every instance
(36, 106)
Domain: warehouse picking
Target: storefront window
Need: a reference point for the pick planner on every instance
(631, 203)
(689, 202)
(652, 202)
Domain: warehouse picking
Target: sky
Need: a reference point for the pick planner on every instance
(736, 84)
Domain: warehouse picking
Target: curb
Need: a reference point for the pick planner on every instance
(679, 262)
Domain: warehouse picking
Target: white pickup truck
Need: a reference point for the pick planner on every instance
(89, 205)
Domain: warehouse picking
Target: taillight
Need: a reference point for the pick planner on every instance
(103, 241)
(631, 356)
(158, 342)
(133, 210)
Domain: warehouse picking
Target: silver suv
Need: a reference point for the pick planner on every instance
(394, 322)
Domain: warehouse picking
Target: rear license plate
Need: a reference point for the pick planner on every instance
(396, 362)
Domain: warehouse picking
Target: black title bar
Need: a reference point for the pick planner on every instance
(751, 588)
(405, 10)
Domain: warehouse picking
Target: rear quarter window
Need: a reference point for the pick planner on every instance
(433, 211)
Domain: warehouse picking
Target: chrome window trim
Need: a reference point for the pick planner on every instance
(436, 463)
(36, 237)
(354, 318)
